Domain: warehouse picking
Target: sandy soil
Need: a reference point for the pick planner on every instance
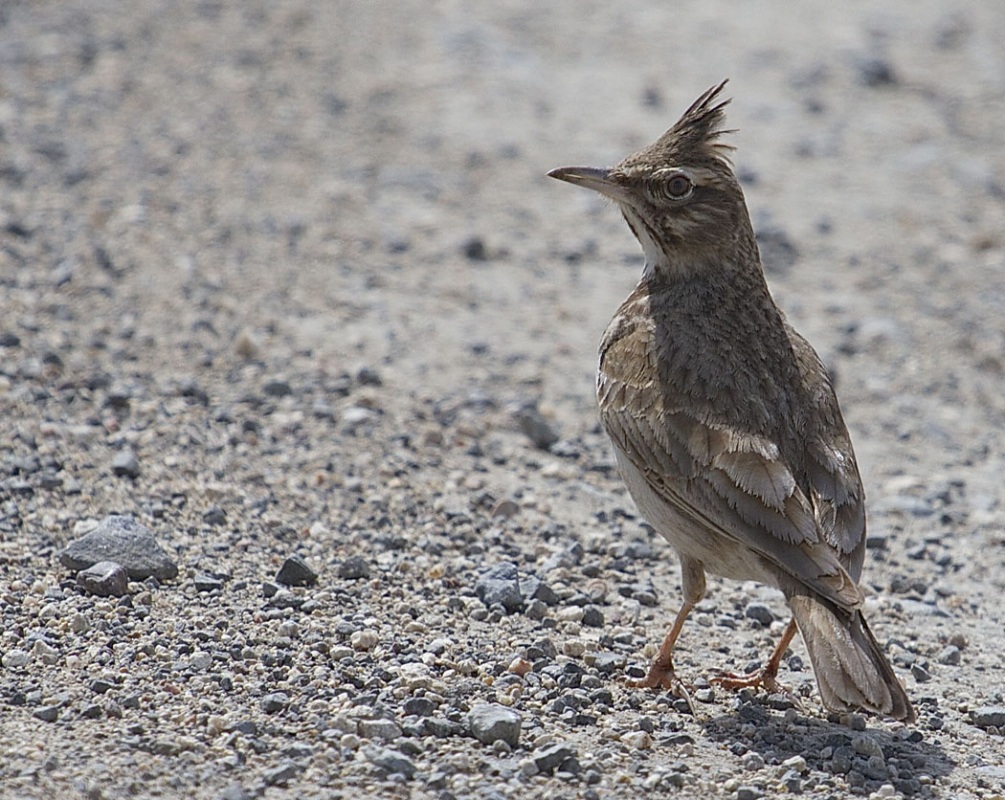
(302, 260)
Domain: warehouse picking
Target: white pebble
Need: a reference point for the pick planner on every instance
(364, 640)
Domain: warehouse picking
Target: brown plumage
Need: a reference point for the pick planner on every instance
(725, 426)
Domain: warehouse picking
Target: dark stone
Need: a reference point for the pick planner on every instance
(418, 707)
(126, 464)
(207, 583)
(354, 568)
(500, 585)
(474, 249)
(123, 540)
(274, 702)
(390, 761)
(593, 617)
(281, 775)
(988, 716)
(104, 579)
(296, 572)
(548, 759)
(759, 612)
(277, 388)
(214, 516)
(490, 722)
(534, 426)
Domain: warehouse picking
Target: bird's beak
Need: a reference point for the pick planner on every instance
(592, 178)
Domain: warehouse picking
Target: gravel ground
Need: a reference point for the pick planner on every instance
(287, 280)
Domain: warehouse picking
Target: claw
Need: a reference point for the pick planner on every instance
(661, 676)
(761, 678)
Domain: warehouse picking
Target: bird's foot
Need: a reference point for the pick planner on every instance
(662, 676)
(763, 678)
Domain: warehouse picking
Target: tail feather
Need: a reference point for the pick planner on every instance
(851, 669)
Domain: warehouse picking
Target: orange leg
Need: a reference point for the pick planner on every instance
(661, 673)
(765, 676)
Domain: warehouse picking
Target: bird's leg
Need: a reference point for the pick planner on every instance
(766, 675)
(661, 671)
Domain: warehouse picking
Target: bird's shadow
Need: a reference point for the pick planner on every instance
(830, 748)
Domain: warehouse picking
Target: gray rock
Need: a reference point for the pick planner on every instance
(277, 387)
(533, 588)
(379, 729)
(950, 655)
(548, 759)
(419, 707)
(123, 540)
(759, 612)
(207, 583)
(534, 426)
(491, 722)
(126, 464)
(593, 617)
(275, 701)
(354, 568)
(47, 713)
(390, 761)
(988, 716)
(296, 572)
(500, 585)
(281, 775)
(104, 579)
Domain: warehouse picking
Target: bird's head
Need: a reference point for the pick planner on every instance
(678, 195)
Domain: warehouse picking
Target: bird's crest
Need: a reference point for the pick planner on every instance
(694, 137)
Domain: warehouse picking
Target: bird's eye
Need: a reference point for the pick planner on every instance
(679, 187)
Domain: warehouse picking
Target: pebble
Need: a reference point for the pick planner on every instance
(364, 640)
(14, 659)
(389, 761)
(126, 464)
(281, 775)
(638, 740)
(500, 585)
(548, 759)
(274, 702)
(379, 729)
(950, 655)
(295, 571)
(125, 541)
(535, 426)
(490, 723)
(759, 612)
(207, 583)
(988, 716)
(104, 579)
(354, 568)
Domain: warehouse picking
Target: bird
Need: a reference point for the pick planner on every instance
(725, 425)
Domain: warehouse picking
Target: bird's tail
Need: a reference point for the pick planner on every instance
(851, 670)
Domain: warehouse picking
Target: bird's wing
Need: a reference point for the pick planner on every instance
(736, 483)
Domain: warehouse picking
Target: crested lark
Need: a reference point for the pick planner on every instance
(725, 427)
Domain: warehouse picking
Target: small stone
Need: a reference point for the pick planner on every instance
(123, 540)
(390, 761)
(276, 387)
(505, 509)
(759, 612)
(47, 713)
(593, 617)
(368, 376)
(214, 516)
(639, 740)
(921, 675)
(988, 716)
(274, 702)
(748, 793)
(14, 659)
(474, 249)
(500, 585)
(491, 722)
(354, 568)
(797, 763)
(607, 663)
(207, 583)
(704, 695)
(364, 640)
(950, 655)
(379, 729)
(548, 759)
(418, 707)
(876, 71)
(126, 464)
(753, 762)
(104, 579)
(534, 425)
(281, 775)
(79, 623)
(574, 648)
(296, 572)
